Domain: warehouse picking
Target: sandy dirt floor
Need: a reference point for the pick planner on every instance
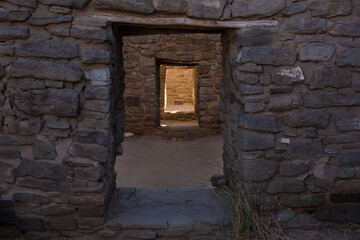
(152, 162)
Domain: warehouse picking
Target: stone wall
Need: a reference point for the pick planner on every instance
(290, 107)
(143, 57)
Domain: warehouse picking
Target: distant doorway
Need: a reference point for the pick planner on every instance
(178, 95)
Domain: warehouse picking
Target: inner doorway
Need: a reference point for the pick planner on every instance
(178, 95)
(171, 78)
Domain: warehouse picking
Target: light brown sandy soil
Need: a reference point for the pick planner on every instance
(152, 162)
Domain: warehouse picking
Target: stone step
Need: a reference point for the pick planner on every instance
(167, 214)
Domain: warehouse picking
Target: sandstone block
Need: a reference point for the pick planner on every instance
(44, 150)
(345, 28)
(254, 37)
(9, 154)
(293, 168)
(91, 56)
(66, 3)
(90, 136)
(28, 3)
(97, 93)
(13, 140)
(92, 211)
(347, 122)
(308, 118)
(248, 140)
(295, 8)
(176, 6)
(62, 223)
(32, 86)
(349, 159)
(319, 99)
(282, 103)
(335, 77)
(254, 107)
(89, 34)
(287, 75)
(317, 52)
(29, 128)
(58, 125)
(267, 56)
(264, 123)
(330, 8)
(301, 150)
(10, 33)
(211, 9)
(341, 138)
(40, 170)
(61, 102)
(349, 58)
(93, 152)
(255, 170)
(263, 8)
(306, 25)
(250, 67)
(50, 20)
(139, 6)
(57, 211)
(340, 213)
(31, 198)
(53, 186)
(31, 224)
(98, 77)
(14, 16)
(67, 72)
(251, 90)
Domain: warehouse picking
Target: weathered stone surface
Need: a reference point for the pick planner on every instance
(57, 211)
(176, 6)
(99, 93)
(27, 3)
(251, 90)
(263, 8)
(29, 128)
(282, 103)
(250, 67)
(44, 150)
(255, 170)
(287, 75)
(248, 140)
(31, 198)
(254, 107)
(14, 16)
(317, 52)
(329, 173)
(351, 44)
(65, 3)
(98, 77)
(316, 99)
(330, 8)
(89, 34)
(58, 125)
(341, 138)
(308, 118)
(295, 8)
(106, 233)
(90, 136)
(305, 221)
(35, 235)
(357, 10)
(138, 6)
(346, 121)
(60, 32)
(7, 50)
(306, 25)
(345, 28)
(61, 10)
(347, 186)
(62, 223)
(90, 174)
(31, 224)
(61, 102)
(288, 186)
(10, 33)
(334, 77)
(349, 159)
(40, 170)
(340, 213)
(13, 140)
(276, 186)
(50, 20)
(97, 106)
(303, 200)
(267, 56)
(67, 72)
(93, 152)
(90, 200)
(32, 86)
(50, 49)
(349, 58)
(264, 123)
(211, 9)
(57, 186)
(9, 154)
(254, 37)
(311, 149)
(91, 56)
(92, 211)
(293, 168)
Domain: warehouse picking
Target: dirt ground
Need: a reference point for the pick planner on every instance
(152, 162)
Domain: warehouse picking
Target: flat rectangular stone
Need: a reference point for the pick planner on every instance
(93, 152)
(138, 6)
(65, 3)
(267, 56)
(50, 20)
(316, 99)
(10, 33)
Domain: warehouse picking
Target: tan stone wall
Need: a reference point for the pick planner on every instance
(143, 57)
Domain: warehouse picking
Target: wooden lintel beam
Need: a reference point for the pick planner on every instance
(181, 22)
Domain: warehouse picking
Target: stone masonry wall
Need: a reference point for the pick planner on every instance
(143, 56)
(290, 107)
